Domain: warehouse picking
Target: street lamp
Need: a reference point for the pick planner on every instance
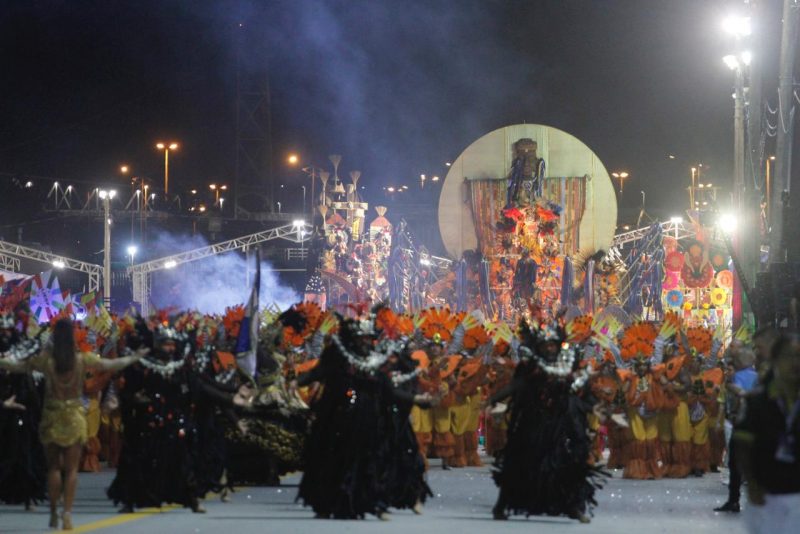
(217, 188)
(621, 176)
(293, 159)
(106, 196)
(166, 148)
(132, 250)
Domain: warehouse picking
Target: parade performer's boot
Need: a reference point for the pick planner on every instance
(471, 449)
(701, 458)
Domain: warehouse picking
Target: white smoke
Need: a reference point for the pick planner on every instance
(214, 283)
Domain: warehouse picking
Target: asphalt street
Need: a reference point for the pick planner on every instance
(462, 504)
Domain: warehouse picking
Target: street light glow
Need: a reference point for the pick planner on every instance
(173, 146)
(293, 159)
(737, 26)
(727, 223)
(731, 61)
(123, 169)
(160, 146)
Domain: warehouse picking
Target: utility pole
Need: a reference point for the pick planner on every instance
(783, 156)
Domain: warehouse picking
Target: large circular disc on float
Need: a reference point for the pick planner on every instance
(490, 157)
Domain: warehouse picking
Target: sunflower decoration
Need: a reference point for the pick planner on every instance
(579, 329)
(475, 337)
(637, 340)
(232, 320)
(698, 338)
(438, 321)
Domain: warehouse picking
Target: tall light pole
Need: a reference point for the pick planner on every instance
(781, 183)
(217, 189)
(738, 64)
(106, 197)
(621, 176)
(166, 148)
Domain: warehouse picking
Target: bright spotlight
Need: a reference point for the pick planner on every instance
(731, 61)
(132, 250)
(747, 57)
(103, 194)
(676, 220)
(170, 264)
(58, 264)
(112, 193)
(737, 26)
(727, 223)
(297, 223)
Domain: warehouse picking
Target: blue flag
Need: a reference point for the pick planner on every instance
(247, 343)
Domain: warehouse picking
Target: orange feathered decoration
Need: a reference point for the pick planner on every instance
(306, 366)
(386, 321)
(579, 329)
(313, 314)
(700, 339)
(638, 339)
(439, 321)
(475, 337)
(422, 359)
(233, 320)
(405, 325)
(224, 361)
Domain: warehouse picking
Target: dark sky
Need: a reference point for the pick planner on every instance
(397, 87)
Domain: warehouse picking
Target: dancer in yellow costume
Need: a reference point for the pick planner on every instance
(63, 429)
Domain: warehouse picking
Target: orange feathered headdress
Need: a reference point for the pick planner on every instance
(700, 339)
(438, 321)
(579, 329)
(638, 340)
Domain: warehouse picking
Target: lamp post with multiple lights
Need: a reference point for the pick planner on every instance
(166, 148)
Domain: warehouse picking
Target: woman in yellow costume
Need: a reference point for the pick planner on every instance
(641, 347)
(63, 430)
(698, 386)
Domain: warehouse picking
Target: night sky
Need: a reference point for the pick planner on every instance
(396, 87)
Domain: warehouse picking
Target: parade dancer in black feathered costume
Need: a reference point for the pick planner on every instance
(349, 456)
(22, 463)
(405, 473)
(158, 460)
(544, 467)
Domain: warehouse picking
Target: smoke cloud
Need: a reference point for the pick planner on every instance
(212, 284)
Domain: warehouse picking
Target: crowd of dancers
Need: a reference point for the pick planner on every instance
(360, 402)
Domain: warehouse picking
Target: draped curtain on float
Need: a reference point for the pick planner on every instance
(489, 197)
